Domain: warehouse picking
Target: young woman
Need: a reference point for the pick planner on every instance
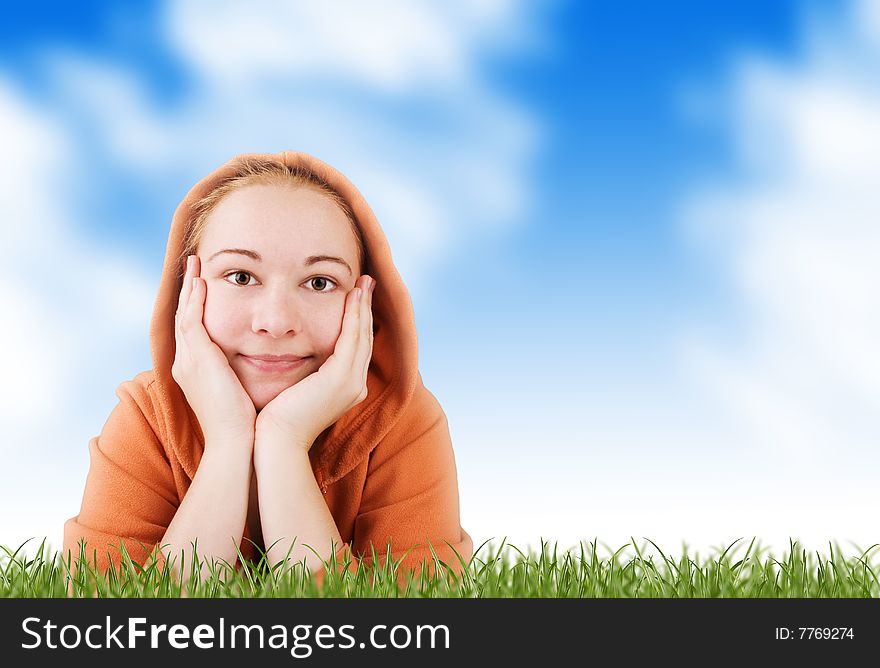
(284, 410)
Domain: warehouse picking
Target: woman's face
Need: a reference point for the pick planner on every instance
(286, 294)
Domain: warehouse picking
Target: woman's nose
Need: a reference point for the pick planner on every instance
(277, 312)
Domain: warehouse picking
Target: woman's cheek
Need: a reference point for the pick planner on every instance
(217, 318)
(327, 327)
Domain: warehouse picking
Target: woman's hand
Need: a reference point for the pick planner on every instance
(225, 411)
(301, 412)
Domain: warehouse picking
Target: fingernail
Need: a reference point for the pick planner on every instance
(372, 284)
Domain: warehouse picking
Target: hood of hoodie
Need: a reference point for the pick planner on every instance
(393, 374)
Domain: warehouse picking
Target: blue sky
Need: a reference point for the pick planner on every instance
(639, 239)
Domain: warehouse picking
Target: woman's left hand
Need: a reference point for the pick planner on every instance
(301, 412)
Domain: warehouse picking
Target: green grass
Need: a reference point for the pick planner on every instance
(494, 572)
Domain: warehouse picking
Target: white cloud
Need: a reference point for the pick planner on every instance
(797, 234)
(60, 294)
(116, 103)
(30, 145)
(69, 310)
(390, 45)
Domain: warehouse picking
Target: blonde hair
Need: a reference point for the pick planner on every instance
(260, 171)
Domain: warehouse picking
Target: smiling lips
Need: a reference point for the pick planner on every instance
(275, 363)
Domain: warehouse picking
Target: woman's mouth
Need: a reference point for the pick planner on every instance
(269, 364)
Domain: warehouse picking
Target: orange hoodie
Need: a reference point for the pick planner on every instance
(386, 466)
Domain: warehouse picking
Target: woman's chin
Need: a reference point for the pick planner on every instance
(263, 395)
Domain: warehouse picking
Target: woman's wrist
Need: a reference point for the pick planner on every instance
(273, 447)
(270, 432)
(231, 450)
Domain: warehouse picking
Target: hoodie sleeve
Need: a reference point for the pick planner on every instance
(410, 498)
(130, 495)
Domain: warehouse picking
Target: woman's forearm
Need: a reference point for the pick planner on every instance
(292, 508)
(213, 511)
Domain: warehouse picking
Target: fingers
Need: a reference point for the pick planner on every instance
(355, 342)
(345, 344)
(185, 289)
(192, 308)
(365, 344)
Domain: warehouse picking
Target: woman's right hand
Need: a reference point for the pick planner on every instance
(225, 411)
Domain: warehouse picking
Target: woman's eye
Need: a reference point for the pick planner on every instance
(319, 282)
(236, 276)
(243, 279)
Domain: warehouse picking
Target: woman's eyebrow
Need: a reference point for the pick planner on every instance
(308, 262)
(313, 259)
(251, 254)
